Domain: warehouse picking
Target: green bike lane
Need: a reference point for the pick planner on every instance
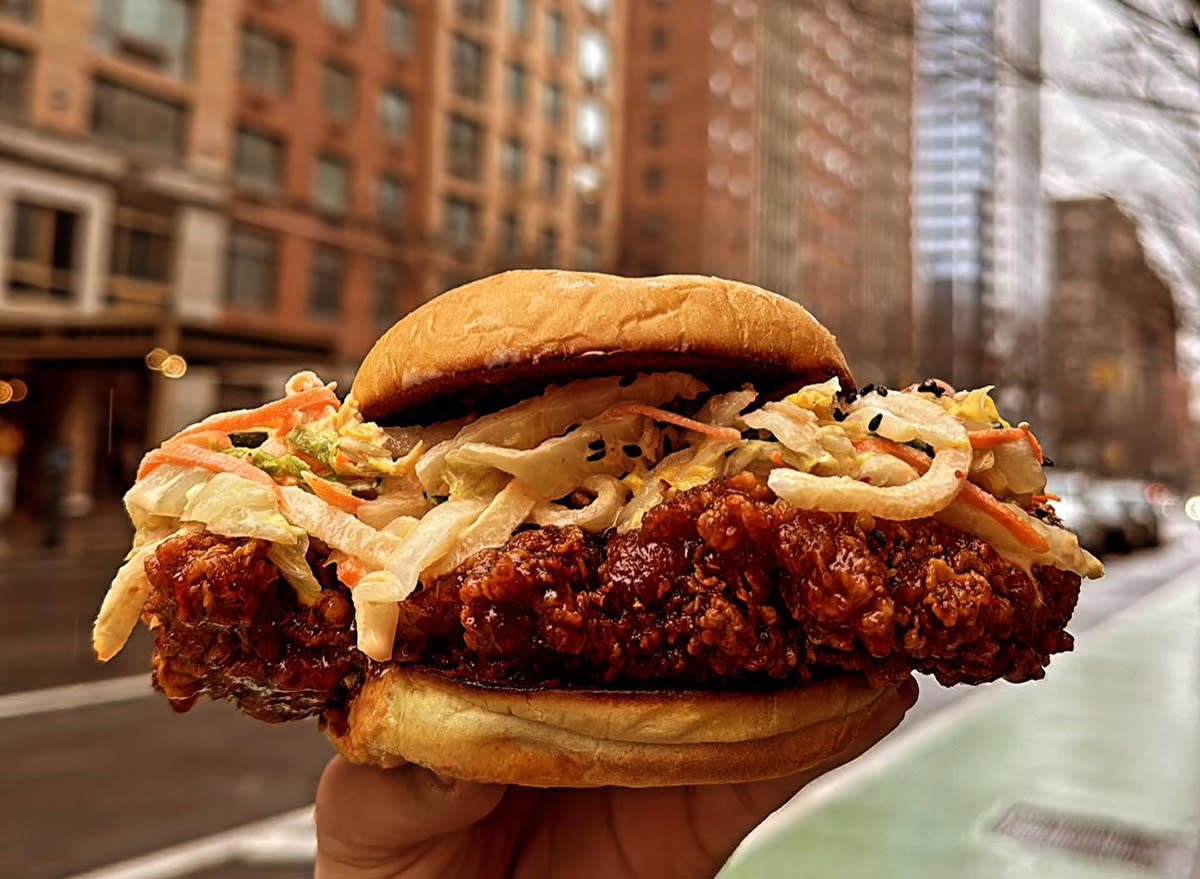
(1103, 756)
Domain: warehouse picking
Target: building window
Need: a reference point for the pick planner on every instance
(512, 160)
(658, 39)
(258, 159)
(325, 283)
(591, 126)
(391, 200)
(652, 178)
(43, 252)
(463, 148)
(550, 174)
(515, 83)
(594, 56)
(476, 9)
(141, 248)
(22, 10)
(556, 32)
(253, 256)
(460, 219)
(385, 294)
(395, 113)
(264, 62)
(510, 235)
(548, 247)
(342, 14)
(153, 32)
(588, 209)
(655, 131)
(657, 87)
(399, 29)
(14, 81)
(136, 119)
(331, 188)
(466, 67)
(519, 16)
(337, 91)
(552, 103)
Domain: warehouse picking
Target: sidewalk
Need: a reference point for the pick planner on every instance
(1094, 772)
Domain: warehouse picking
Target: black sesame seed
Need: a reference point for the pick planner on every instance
(1047, 461)
(874, 423)
(851, 396)
(839, 415)
(878, 536)
(632, 450)
(248, 439)
(596, 456)
(571, 428)
(883, 392)
(627, 380)
(596, 445)
(1041, 513)
(868, 388)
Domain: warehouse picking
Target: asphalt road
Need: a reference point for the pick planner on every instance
(99, 774)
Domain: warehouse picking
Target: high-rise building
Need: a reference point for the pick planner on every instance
(258, 182)
(770, 141)
(980, 220)
(1118, 399)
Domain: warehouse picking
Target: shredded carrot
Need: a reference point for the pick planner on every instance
(277, 413)
(312, 462)
(1042, 498)
(1034, 444)
(195, 456)
(620, 410)
(777, 459)
(970, 493)
(332, 495)
(989, 439)
(206, 439)
(350, 571)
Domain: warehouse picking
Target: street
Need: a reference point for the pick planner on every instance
(100, 774)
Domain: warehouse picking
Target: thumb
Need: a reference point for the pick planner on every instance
(369, 819)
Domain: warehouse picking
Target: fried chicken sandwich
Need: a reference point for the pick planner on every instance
(574, 529)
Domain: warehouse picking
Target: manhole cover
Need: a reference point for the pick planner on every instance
(1093, 837)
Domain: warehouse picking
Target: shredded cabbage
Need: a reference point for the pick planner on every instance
(433, 537)
(122, 604)
(819, 398)
(337, 529)
(292, 562)
(532, 421)
(495, 524)
(599, 515)
(235, 507)
(795, 428)
(375, 621)
(163, 493)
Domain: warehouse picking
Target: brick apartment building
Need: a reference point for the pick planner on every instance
(771, 141)
(260, 185)
(1117, 395)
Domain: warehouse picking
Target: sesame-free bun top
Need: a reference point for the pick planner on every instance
(485, 343)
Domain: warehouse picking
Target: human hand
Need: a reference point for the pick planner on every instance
(408, 823)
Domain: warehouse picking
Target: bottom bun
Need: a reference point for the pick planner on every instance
(592, 738)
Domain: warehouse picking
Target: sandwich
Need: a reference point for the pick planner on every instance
(571, 529)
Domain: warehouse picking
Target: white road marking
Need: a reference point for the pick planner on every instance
(71, 696)
(897, 746)
(286, 838)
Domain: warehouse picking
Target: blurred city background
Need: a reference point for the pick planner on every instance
(200, 197)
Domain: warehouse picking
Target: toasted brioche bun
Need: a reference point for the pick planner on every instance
(591, 738)
(509, 335)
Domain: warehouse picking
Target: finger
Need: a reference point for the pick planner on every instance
(367, 816)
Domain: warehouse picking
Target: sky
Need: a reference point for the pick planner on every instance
(1098, 147)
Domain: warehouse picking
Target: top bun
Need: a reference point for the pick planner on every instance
(509, 335)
